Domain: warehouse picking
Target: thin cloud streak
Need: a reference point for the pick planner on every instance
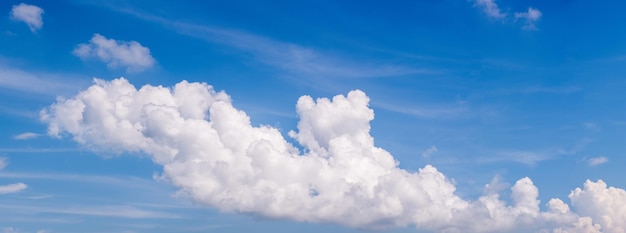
(524, 157)
(38, 150)
(12, 188)
(425, 112)
(26, 136)
(532, 157)
(116, 211)
(289, 57)
(595, 161)
(126, 181)
(37, 83)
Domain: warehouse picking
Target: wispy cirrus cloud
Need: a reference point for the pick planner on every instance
(36, 82)
(532, 157)
(450, 111)
(430, 151)
(595, 161)
(528, 157)
(290, 57)
(116, 211)
(12, 188)
(26, 136)
(122, 181)
(38, 150)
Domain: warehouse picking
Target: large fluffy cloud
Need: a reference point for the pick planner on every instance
(212, 153)
(126, 54)
(29, 14)
(605, 205)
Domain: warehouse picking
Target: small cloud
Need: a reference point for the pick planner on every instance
(529, 17)
(12, 188)
(496, 185)
(39, 197)
(29, 14)
(591, 126)
(129, 54)
(597, 161)
(3, 162)
(8, 230)
(490, 8)
(428, 152)
(26, 136)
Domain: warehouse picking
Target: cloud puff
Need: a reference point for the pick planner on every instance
(131, 55)
(12, 188)
(605, 205)
(3, 162)
(430, 151)
(597, 160)
(26, 136)
(29, 14)
(212, 153)
(529, 18)
(490, 8)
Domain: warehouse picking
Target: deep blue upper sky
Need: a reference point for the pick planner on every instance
(493, 96)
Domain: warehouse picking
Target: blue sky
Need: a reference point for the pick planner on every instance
(486, 92)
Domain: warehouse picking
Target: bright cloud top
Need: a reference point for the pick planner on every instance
(29, 14)
(212, 153)
(117, 54)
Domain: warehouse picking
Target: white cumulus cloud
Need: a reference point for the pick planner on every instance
(529, 18)
(29, 14)
(605, 205)
(210, 151)
(117, 54)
